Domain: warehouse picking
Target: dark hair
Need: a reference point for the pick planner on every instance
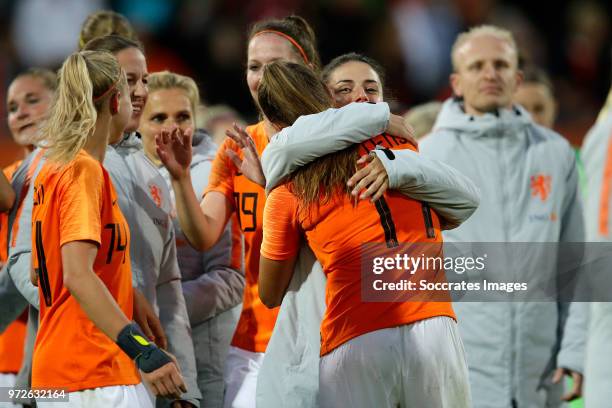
(353, 56)
(113, 44)
(299, 30)
(534, 74)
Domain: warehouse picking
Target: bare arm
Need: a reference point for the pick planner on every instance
(279, 247)
(92, 295)
(98, 304)
(274, 278)
(7, 195)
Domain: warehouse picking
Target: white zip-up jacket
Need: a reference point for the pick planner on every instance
(513, 348)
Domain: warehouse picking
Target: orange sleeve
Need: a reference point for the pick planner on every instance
(281, 229)
(222, 173)
(80, 193)
(4, 217)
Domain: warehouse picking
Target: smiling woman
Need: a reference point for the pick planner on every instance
(130, 55)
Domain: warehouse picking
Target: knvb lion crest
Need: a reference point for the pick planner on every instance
(156, 194)
(541, 186)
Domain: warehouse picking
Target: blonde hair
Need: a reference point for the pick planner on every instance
(46, 76)
(105, 22)
(490, 30)
(422, 118)
(170, 80)
(86, 81)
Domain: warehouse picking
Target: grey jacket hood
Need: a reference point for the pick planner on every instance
(204, 149)
(453, 117)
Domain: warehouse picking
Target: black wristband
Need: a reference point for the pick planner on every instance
(147, 355)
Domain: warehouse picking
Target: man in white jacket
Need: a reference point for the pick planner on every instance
(517, 352)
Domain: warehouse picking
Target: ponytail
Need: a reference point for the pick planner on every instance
(85, 82)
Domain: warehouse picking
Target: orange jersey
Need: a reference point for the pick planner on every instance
(8, 173)
(256, 322)
(78, 203)
(11, 341)
(336, 232)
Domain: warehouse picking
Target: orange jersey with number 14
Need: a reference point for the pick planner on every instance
(78, 203)
(256, 320)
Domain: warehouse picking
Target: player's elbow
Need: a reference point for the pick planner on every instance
(269, 298)
(201, 241)
(72, 280)
(33, 277)
(69, 282)
(201, 245)
(7, 199)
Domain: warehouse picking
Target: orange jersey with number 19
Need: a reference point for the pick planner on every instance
(78, 203)
(256, 320)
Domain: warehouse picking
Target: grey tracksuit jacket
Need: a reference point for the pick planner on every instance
(597, 155)
(144, 199)
(213, 289)
(16, 290)
(513, 348)
(290, 370)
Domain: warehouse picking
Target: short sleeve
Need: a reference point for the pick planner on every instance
(223, 171)
(281, 230)
(81, 191)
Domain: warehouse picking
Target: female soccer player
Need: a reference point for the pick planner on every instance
(103, 23)
(230, 192)
(372, 354)
(81, 257)
(213, 281)
(144, 199)
(29, 97)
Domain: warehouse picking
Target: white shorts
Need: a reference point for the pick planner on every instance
(116, 396)
(7, 381)
(241, 369)
(417, 365)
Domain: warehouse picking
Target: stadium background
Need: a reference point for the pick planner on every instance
(411, 38)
